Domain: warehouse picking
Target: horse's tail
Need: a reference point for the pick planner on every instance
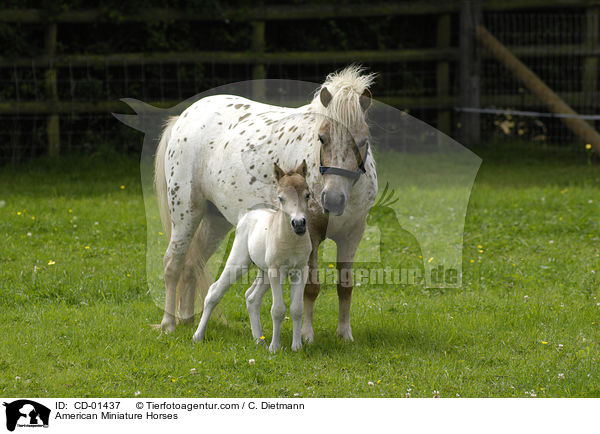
(160, 180)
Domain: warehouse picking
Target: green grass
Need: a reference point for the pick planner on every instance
(526, 316)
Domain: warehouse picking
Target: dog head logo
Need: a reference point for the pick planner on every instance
(26, 413)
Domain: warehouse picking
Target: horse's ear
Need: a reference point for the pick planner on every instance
(325, 96)
(278, 172)
(302, 169)
(365, 100)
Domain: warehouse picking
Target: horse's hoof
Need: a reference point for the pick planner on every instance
(187, 321)
(308, 336)
(167, 325)
(345, 334)
(198, 337)
(273, 348)
(296, 346)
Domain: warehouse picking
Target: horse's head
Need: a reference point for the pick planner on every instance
(343, 136)
(293, 194)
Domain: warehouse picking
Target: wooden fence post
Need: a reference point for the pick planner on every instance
(442, 72)
(469, 72)
(52, 125)
(258, 49)
(590, 63)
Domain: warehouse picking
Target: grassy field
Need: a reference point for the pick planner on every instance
(75, 314)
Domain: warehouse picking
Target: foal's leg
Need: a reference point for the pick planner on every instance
(254, 297)
(311, 290)
(237, 264)
(209, 235)
(276, 278)
(346, 249)
(297, 283)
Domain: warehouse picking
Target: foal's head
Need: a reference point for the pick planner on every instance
(293, 194)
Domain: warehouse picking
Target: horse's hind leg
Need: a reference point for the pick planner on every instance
(182, 232)
(205, 242)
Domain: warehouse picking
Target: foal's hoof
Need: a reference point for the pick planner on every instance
(198, 337)
(296, 346)
(273, 348)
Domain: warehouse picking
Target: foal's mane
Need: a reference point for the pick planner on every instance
(346, 87)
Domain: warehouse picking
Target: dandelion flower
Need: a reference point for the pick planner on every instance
(51, 262)
(472, 261)
(544, 343)
(122, 187)
(87, 247)
(19, 213)
(262, 338)
(588, 146)
(330, 265)
(173, 380)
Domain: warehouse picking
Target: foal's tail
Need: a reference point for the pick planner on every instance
(160, 181)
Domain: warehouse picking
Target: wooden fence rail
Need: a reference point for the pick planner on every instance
(443, 54)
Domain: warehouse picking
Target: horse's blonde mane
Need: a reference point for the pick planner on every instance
(346, 86)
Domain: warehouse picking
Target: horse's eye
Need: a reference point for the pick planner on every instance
(363, 143)
(307, 196)
(321, 139)
(281, 199)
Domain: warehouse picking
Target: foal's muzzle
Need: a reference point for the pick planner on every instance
(299, 225)
(333, 202)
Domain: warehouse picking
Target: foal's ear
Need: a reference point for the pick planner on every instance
(365, 100)
(325, 97)
(302, 169)
(278, 172)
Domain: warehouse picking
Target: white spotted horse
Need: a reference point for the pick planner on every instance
(214, 163)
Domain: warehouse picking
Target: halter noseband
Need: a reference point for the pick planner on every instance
(354, 175)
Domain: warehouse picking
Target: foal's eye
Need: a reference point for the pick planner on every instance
(307, 196)
(281, 199)
(363, 143)
(321, 139)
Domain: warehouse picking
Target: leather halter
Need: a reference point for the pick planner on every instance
(354, 175)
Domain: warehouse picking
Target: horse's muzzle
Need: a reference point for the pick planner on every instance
(299, 226)
(333, 202)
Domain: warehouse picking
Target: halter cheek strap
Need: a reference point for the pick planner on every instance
(354, 175)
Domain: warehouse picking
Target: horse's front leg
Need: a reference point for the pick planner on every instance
(346, 249)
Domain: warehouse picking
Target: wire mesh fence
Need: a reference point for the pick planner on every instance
(559, 45)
